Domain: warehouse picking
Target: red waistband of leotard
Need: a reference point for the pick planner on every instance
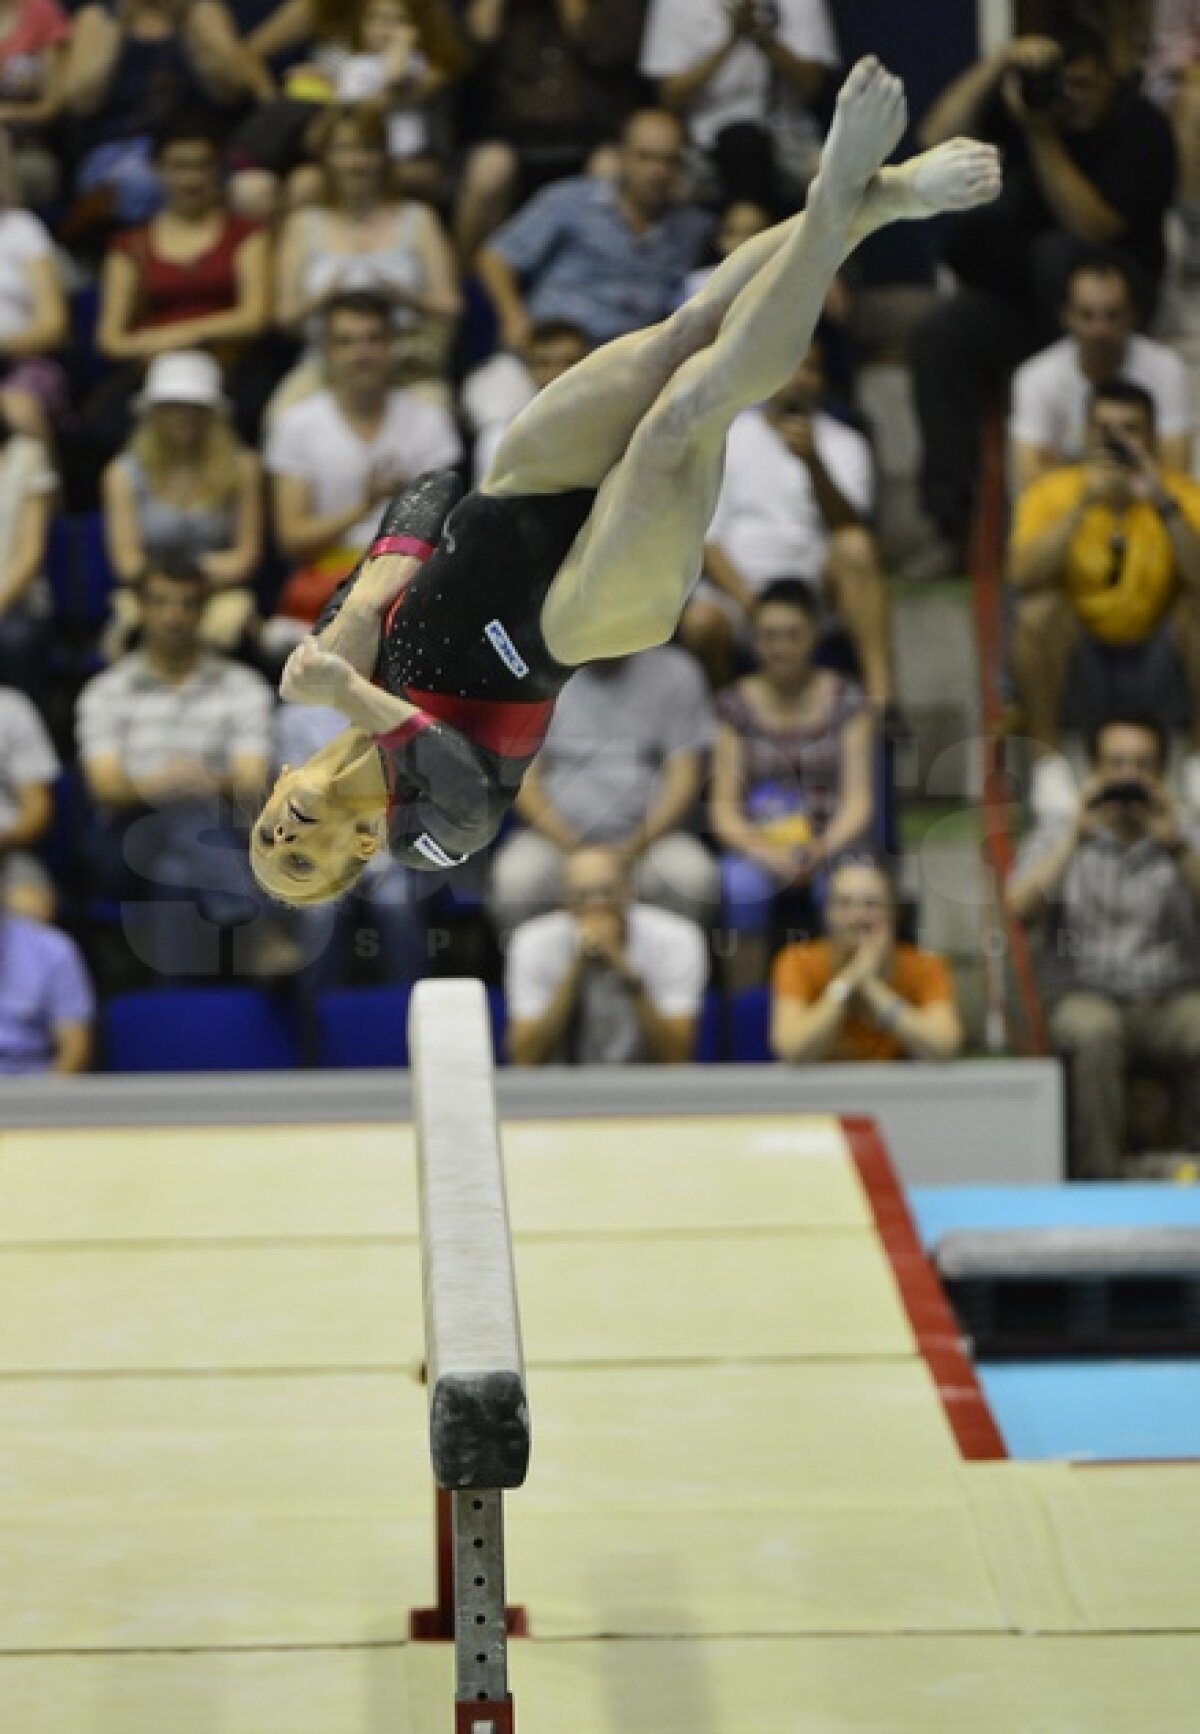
(512, 730)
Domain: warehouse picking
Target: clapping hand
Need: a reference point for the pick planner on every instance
(385, 478)
(753, 20)
(866, 964)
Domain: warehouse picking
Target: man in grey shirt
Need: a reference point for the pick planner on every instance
(174, 744)
(1117, 887)
(622, 765)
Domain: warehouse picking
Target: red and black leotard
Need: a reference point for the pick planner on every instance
(463, 643)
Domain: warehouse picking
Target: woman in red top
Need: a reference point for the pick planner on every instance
(195, 277)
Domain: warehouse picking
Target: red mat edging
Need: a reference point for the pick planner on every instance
(929, 1313)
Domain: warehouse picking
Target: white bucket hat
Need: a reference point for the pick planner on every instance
(182, 376)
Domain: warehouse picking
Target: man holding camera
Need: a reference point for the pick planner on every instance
(1088, 163)
(1105, 558)
(744, 75)
(1117, 886)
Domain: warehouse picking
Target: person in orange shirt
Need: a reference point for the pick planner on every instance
(1108, 550)
(859, 994)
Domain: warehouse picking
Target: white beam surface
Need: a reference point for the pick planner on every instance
(478, 1411)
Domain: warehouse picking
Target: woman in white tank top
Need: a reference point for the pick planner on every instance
(362, 238)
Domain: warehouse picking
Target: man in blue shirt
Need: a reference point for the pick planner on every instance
(610, 256)
(46, 1003)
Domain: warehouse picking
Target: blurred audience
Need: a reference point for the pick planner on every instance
(46, 1001)
(793, 775)
(133, 67)
(28, 487)
(1087, 161)
(797, 493)
(1114, 887)
(1173, 79)
(336, 457)
(185, 490)
(33, 50)
(622, 765)
(175, 743)
(555, 80)
(1105, 555)
(194, 277)
(606, 980)
(29, 767)
(1052, 390)
(609, 256)
(314, 302)
(746, 76)
(861, 993)
(399, 56)
(33, 313)
(360, 236)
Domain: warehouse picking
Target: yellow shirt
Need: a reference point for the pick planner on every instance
(1121, 573)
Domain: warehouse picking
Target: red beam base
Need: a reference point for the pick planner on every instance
(432, 1626)
(436, 1625)
(485, 1718)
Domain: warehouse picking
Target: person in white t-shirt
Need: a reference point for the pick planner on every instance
(604, 981)
(798, 488)
(741, 73)
(33, 312)
(1052, 390)
(336, 457)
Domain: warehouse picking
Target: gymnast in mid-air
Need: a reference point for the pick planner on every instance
(446, 649)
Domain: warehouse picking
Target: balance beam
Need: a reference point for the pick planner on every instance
(479, 1433)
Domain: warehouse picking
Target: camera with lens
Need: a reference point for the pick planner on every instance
(1040, 86)
(1124, 793)
(1119, 451)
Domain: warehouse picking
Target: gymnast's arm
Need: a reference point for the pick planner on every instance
(408, 533)
(352, 628)
(316, 675)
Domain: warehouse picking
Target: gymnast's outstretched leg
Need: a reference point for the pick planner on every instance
(628, 574)
(579, 428)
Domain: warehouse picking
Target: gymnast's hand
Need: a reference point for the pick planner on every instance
(315, 676)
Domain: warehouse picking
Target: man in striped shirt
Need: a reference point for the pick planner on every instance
(1117, 887)
(171, 738)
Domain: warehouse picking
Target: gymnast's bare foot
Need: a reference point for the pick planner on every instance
(953, 177)
(868, 123)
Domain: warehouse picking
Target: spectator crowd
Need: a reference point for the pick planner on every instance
(261, 266)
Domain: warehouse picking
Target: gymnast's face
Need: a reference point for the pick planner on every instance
(315, 832)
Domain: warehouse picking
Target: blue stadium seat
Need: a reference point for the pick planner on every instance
(96, 577)
(203, 1029)
(710, 1029)
(363, 1026)
(60, 568)
(83, 311)
(751, 1022)
(66, 821)
(498, 1012)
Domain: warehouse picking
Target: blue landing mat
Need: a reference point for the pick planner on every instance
(1096, 1410)
(1087, 1410)
(940, 1209)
